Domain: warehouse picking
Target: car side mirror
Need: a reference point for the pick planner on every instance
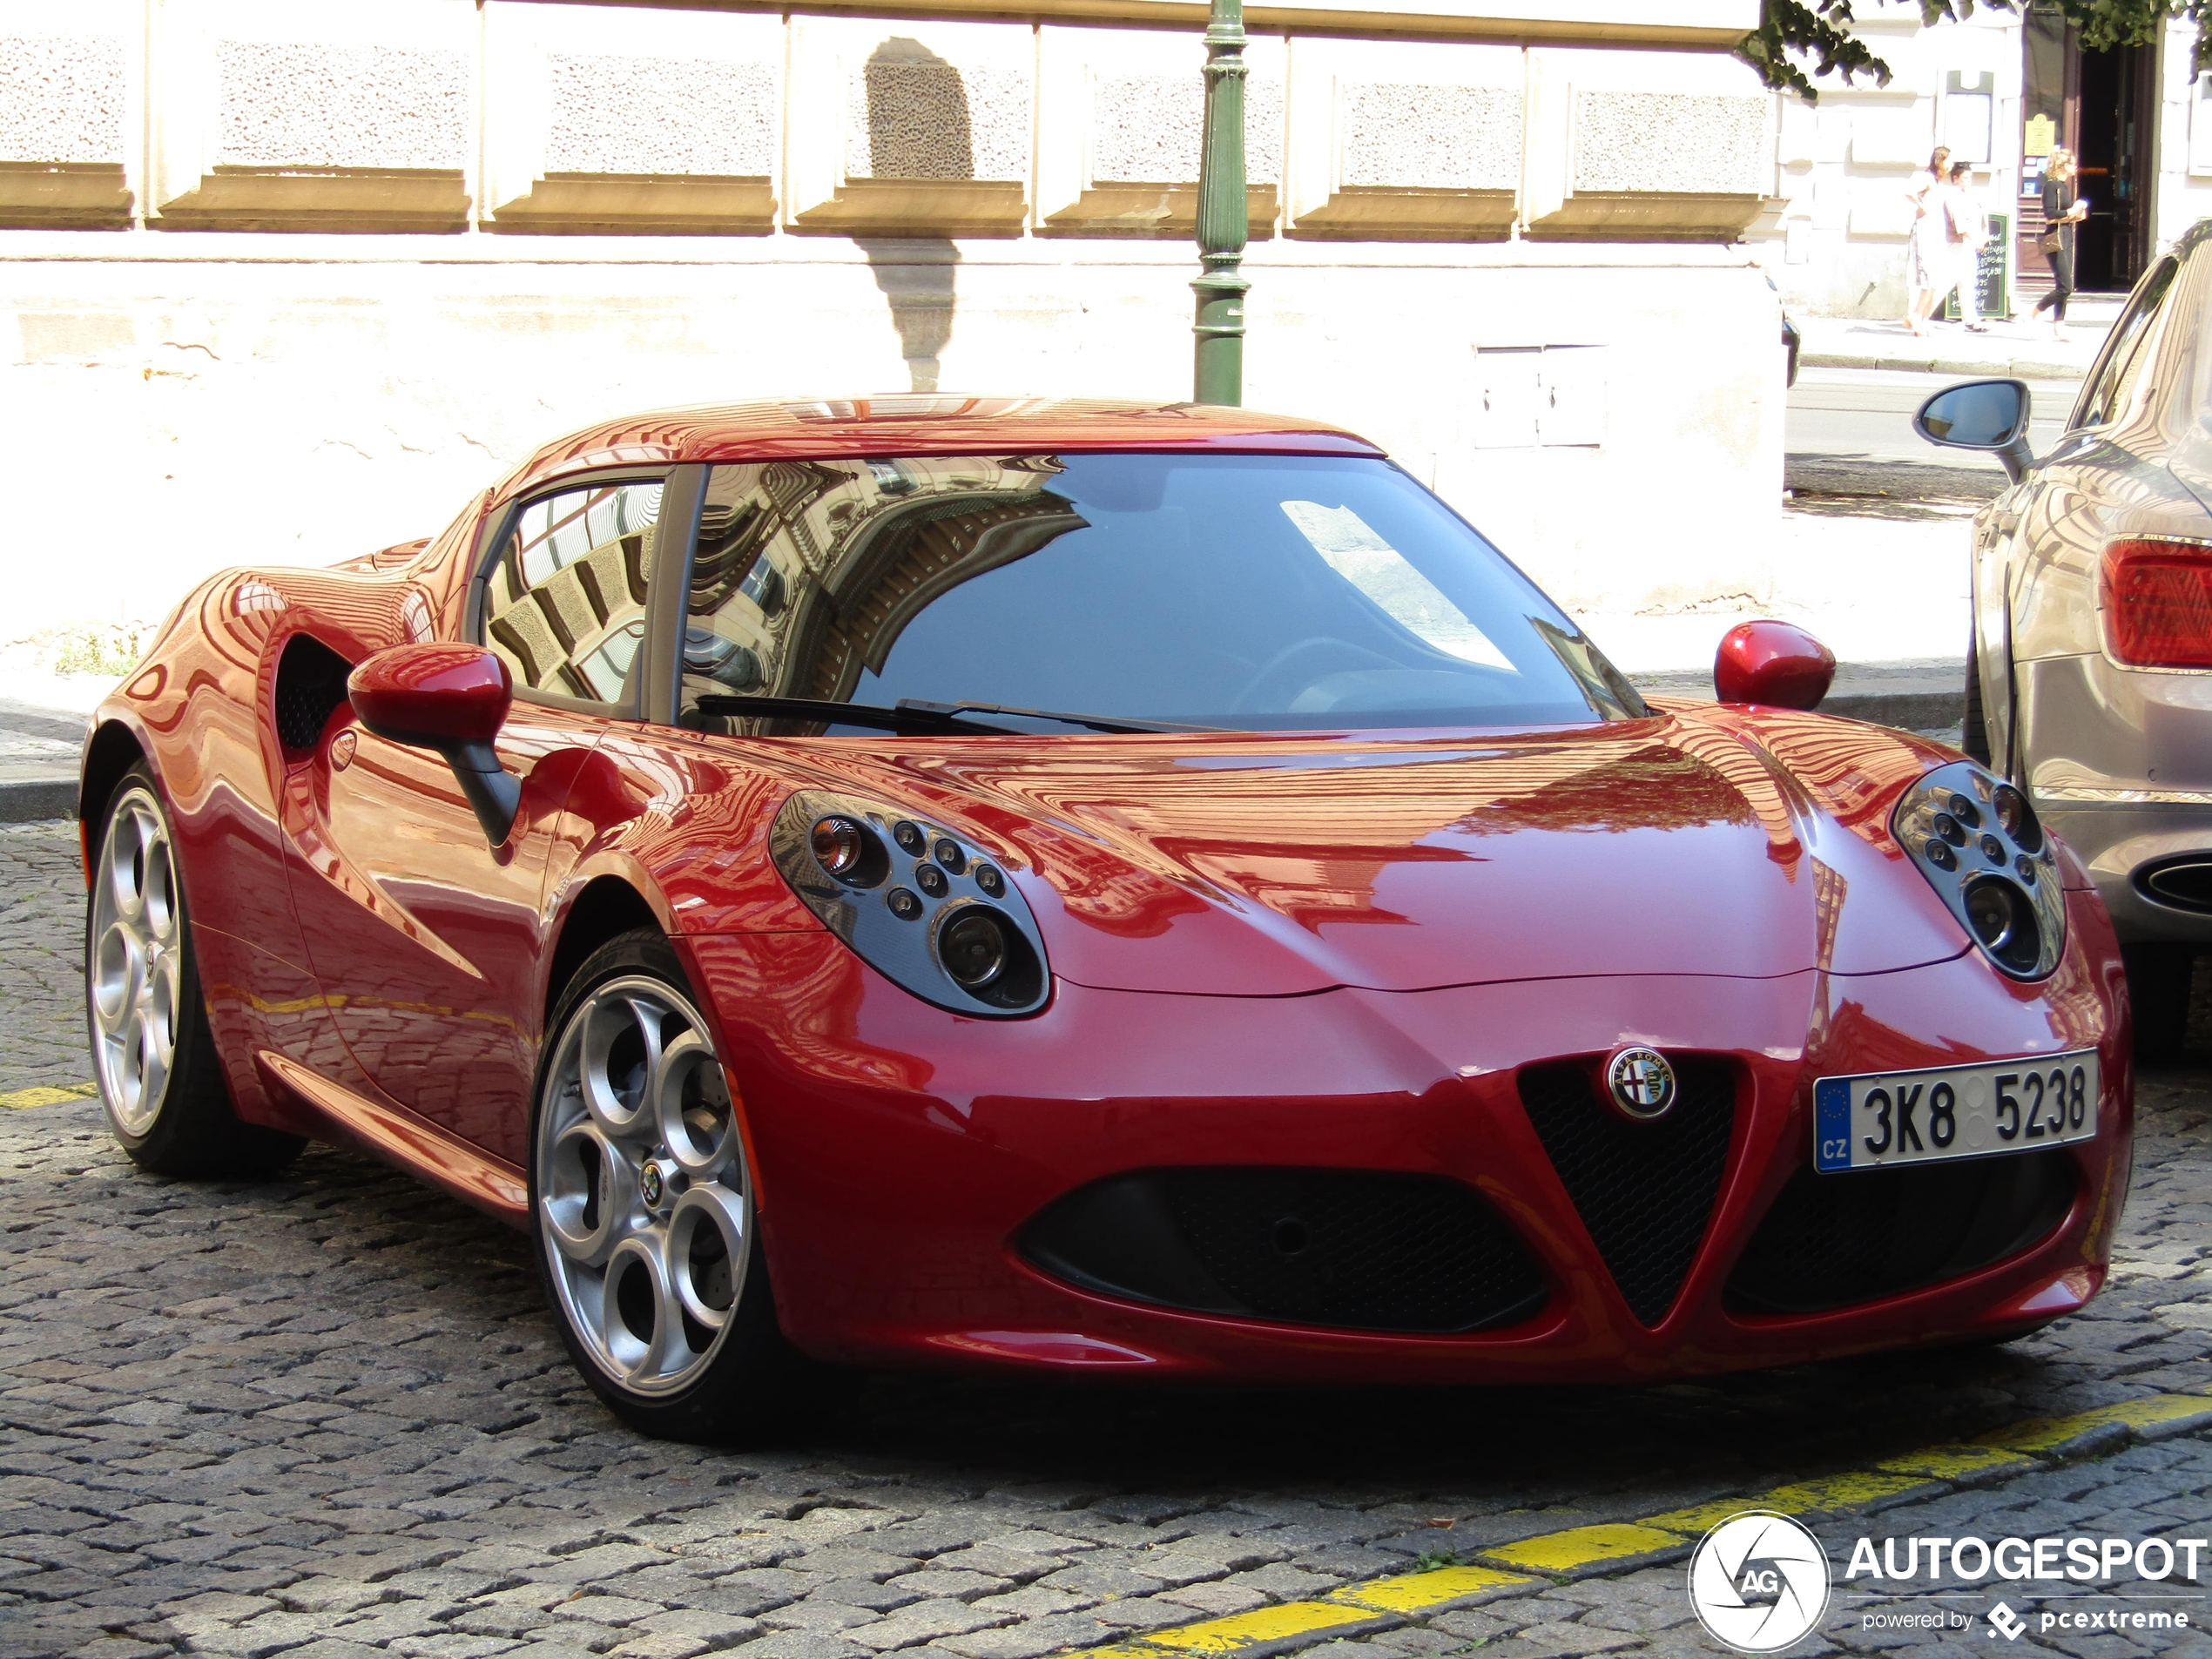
(1981, 414)
(1774, 663)
(452, 700)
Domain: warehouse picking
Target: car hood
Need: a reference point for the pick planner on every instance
(1276, 866)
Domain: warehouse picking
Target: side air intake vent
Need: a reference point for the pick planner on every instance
(1644, 1189)
(1831, 1240)
(1358, 1250)
(310, 687)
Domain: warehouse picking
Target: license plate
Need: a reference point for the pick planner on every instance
(1881, 1118)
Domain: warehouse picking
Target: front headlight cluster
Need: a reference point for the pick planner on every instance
(919, 905)
(1978, 843)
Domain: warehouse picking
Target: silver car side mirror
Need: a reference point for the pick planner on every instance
(1981, 414)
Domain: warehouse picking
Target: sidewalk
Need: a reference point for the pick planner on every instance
(2020, 349)
(38, 752)
(1888, 593)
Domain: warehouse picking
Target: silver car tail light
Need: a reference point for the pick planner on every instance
(2154, 597)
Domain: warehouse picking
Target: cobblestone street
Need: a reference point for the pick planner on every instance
(42, 928)
(330, 1414)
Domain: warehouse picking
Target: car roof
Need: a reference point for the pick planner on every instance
(923, 424)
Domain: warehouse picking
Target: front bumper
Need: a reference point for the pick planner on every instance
(900, 1152)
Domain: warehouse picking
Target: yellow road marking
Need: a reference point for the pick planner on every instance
(2004, 1451)
(1832, 1492)
(1955, 1462)
(1241, 1630)
(1355, 1604)
(1417, 1592)
(2148, 1412)
(47, 1094)
(1562, 1552)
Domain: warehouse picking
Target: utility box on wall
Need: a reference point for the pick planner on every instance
(1528, 397)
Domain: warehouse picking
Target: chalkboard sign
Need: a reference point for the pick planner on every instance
(1994, 276)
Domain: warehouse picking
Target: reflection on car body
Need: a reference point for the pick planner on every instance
(1081, 889)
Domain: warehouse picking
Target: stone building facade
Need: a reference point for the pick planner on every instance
(2000, 88)
(286, 282)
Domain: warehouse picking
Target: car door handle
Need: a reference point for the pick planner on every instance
(2007, 521)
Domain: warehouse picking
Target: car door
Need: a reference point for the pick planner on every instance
(2035, 585)
(424, 938)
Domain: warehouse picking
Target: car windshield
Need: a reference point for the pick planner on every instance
(1250, 592)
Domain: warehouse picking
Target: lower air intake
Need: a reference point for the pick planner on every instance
(1832, 1240)
(1644, 1189)
(1354, 1249)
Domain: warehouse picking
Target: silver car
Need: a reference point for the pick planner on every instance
(2089, 672)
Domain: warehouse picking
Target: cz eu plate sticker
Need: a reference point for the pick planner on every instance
(1879, 1118)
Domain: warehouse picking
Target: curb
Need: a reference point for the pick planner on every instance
(30, 800)
(1910, 711)
(1919, 709)
(2016, 368)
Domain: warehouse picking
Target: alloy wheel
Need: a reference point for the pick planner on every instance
(643, 1196)
(134, 970)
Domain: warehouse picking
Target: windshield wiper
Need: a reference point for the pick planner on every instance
(1097, 722)
(913, 714)
(908, 717)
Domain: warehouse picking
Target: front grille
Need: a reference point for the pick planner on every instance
(1831, 1240)
(1355, 1248)
(1645, 1191)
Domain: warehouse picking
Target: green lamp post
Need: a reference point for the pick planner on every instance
(1222, 227)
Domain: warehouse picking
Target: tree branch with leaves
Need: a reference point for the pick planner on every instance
(1797, 44)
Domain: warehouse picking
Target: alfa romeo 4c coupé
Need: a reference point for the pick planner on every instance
(1090, 889)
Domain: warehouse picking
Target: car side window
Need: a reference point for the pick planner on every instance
(565, 602)
(761, 528)
(2105, 398)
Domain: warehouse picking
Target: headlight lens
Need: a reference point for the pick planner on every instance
(837, 845)
(972, 944)
(918, 902)
(2017, 819)
(1989, 914)
(2003, 921)
(1976, 839)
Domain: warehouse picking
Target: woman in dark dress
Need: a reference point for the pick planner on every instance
(2062, 211)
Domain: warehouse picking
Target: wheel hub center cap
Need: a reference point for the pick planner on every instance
(653, 1185)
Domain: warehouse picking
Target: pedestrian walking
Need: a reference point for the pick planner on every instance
(2062, 210)
(1966, 233)
(1925, 250)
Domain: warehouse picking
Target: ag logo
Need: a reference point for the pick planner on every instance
(1641, 1082)
(1759, 1581)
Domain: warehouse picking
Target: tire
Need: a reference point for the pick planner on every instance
(641, 1206)
(1973, 736)
(2158, 991)
(161, 1082)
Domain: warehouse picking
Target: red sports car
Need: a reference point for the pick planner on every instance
(1090, 889)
